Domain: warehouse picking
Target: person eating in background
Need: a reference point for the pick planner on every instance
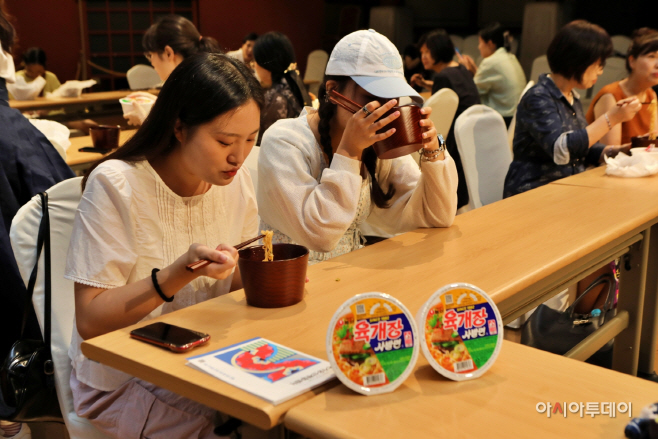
(499, 79)
(552, 139)
(437, 53)
(34, 60)
(642, 66)
(166, 44)
(285, 94)
(246, 52)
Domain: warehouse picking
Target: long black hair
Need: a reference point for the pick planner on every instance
(326, 112)
(199, 89)
(497, 34)
(7, 31)
(180, 34)
(273, 51)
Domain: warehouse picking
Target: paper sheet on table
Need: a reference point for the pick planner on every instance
(25, 91)
(71, 89)
(56, 133)
(637, 165)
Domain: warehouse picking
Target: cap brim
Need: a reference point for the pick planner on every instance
(388, 87)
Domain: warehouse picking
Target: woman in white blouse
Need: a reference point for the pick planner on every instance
(319, 178)
(177, 182)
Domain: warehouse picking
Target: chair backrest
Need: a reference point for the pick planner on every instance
(620, 44)
(614, 70)
(457, 41)
(482, 143)
(444, 106)
(251, 162)
(315, 65)
(141, 77)
(512, 125)
(539, 66)
(63, 200)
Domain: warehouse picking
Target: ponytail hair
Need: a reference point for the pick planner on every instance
(326, 112)
(495, 33)
(180, 34)
(273, 51)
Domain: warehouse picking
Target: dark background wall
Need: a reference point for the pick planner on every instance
(310, 24)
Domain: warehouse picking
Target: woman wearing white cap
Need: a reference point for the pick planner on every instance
(319, 177)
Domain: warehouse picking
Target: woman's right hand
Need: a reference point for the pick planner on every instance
(224, 256)
(625, 110)
(361, 129)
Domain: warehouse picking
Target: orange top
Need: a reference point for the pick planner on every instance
(638, 126)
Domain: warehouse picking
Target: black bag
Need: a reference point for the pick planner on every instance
(558, 332)
(27, 376)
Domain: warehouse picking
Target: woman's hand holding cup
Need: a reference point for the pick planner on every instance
(430, 137)
(361, 129)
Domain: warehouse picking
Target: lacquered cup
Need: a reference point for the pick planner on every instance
(277, 283)
(105, 137)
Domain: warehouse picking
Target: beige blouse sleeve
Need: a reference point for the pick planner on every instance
(425, 197)
(313, 213)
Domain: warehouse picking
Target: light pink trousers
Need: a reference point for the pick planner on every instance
(139, 409)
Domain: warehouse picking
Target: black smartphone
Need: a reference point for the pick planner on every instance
(169, 336)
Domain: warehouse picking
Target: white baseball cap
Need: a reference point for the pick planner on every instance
(373, 62)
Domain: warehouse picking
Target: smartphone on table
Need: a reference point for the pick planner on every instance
(170, 336)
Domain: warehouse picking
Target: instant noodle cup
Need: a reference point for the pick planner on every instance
(461, 331)
(372, 343)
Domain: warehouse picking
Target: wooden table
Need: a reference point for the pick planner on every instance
(75, 158)
(500, 404)
(84, 100)
(644, 192)
(520, 250)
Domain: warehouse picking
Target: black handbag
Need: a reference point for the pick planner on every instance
(559, 331)
(27, 376)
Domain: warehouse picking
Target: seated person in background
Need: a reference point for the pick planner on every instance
(413, 65)
(642, 66)
(499, 79)
(34, 60)
(246, 52)
(437, 52)
(166, 44)
(285, 94)
(319, 177)
(552, 139)
(177, 182)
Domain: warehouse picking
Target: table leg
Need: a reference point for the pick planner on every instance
(632, 279)
(650, 320)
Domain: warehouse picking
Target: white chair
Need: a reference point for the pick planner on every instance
(141, 77)
(315, 65)
(457, 41)
(63, 199)
(251, 162)
(481, 138)
(620, 44)
(512, 125)
(614, 70)
(539, 66)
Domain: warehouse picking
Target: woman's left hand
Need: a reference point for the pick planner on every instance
(430, 138)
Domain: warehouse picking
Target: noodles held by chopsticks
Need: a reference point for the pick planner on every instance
(267, 245)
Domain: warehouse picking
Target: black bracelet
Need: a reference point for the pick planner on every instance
(158, 290)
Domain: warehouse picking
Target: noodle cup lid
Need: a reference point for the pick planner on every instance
(461, 331)
(372, 343)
